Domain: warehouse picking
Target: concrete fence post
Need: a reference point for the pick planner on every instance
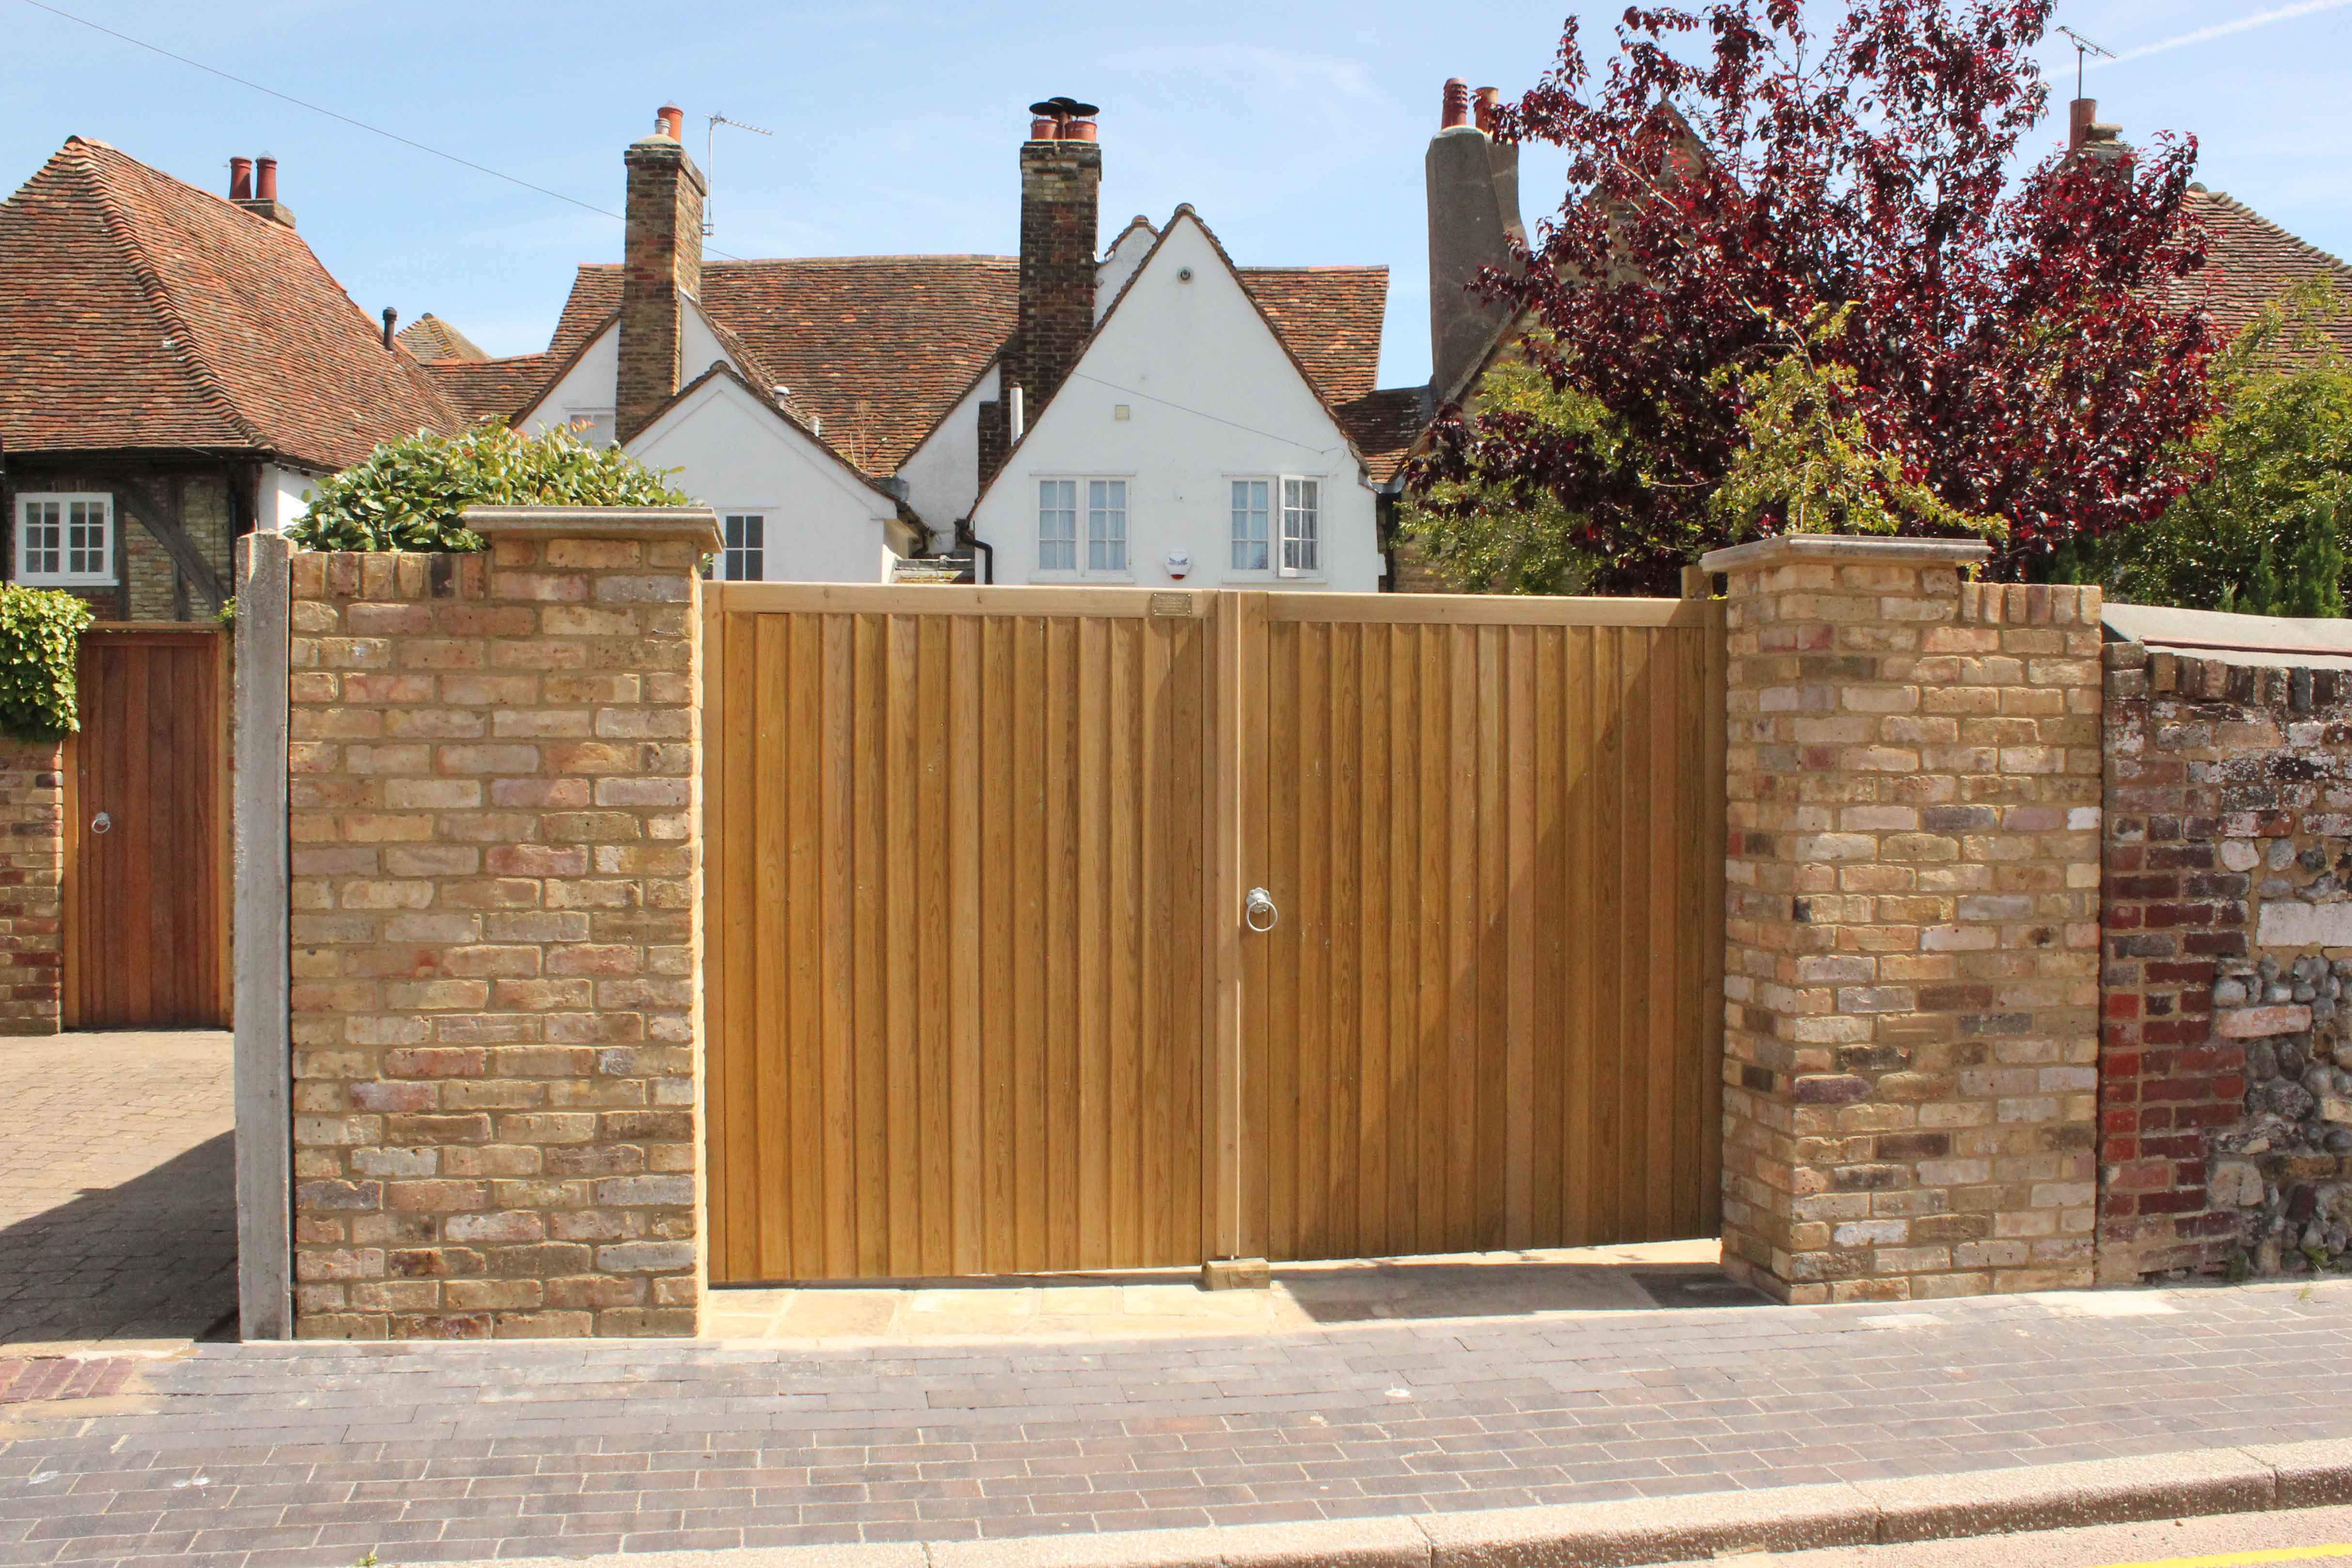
(1911, 974)
(495, 1001)
(258, 964)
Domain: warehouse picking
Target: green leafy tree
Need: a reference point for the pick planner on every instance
(2266, 534)
(1508, 535)
(409, 495)
(40, 648)
(1806, 456)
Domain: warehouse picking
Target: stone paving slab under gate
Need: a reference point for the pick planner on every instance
(301, 1454)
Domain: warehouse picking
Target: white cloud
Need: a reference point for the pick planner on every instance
(2223, 29)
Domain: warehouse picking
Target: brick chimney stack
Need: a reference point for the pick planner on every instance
(661, 268)
(1473, 215)
(2085, 137)
(1061, 197)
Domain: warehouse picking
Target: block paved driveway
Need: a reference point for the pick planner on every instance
(118, 1206)
(299, 1453)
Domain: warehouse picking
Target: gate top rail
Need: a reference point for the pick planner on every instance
(1139, 603)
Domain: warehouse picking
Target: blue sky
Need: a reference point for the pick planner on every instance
(1295, 129)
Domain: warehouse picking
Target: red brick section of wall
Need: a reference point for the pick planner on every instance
(1911, 976)
(32, 873)
(2225, 1071)
(494, 812)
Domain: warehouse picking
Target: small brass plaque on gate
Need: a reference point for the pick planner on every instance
(1171, 605)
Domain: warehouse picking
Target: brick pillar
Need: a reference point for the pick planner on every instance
(32, 873)
(495, 810)
(1911, 978)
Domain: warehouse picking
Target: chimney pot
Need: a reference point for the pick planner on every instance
(2080, 115)
(265, 179)
(1081, 131)
(240, 178)
(670, 121)
(391, 320)
(1044, 129)
(1489, 99)
(1457, 103)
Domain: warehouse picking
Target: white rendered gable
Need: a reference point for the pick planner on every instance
(1183, 389)
(735, 454)
(587, 390)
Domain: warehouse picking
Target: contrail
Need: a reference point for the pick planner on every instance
(2223, 29)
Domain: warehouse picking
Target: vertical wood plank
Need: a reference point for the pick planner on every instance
(1518, 894)
(967, 1004)
(843, 1059)
(932, 737)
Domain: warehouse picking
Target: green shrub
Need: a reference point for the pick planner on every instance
(41, 643)
(409, 493)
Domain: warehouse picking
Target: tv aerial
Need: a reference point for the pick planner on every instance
(2084, 49)
(710, 145)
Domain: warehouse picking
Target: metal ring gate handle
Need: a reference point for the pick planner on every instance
(101, 823)
(1260, 901)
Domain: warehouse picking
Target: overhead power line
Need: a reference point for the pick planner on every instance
(330, 114)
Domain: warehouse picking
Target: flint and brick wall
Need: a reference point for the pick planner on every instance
(2226, 1060)
(494, 810)
(32, 873)
(1911, 981)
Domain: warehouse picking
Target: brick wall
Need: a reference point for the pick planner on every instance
(31, 870)
(494, 813)
(1911, 978)
(661, 268)
(2226, 1063)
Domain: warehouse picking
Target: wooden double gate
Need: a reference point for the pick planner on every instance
(984, 995)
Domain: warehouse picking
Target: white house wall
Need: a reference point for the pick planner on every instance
(283, 497)
(942, 475)
(1175, 345)
(733, 454)
(1111, 273)
(587, 389)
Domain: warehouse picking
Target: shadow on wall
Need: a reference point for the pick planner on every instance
(152, 1258)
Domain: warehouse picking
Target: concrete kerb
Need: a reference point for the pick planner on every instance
(1649, 1531)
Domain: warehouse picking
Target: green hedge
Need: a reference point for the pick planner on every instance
(408, 495)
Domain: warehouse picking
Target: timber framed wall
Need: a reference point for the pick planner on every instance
(980, 995)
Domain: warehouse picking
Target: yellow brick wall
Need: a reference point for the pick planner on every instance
(32, 869)
(1912, 964)
(494, 813)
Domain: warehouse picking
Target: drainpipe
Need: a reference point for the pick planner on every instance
(981, 548)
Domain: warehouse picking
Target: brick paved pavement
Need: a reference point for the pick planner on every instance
(264, 1456)
(117, 1199)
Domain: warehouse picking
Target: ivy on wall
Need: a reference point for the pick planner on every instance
(41, 643)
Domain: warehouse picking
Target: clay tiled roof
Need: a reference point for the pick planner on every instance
(137, 311)
(878, 348)
(430, 338)
(875, 347)
(2251, 261)
(1330, 316)
(1383, 425)
(492, 388)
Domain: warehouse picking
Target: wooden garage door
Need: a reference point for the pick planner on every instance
(1489, 1015)
(146, 906)
(957, 930)
(983, 1000)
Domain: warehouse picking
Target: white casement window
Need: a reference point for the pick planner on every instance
(746, 555)
(1057, 524)
(1107, 525)
(65, 540)
(1249, 525)
(1302, 528)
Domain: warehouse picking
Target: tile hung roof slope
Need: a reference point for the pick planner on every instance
(2252, 261)
(430, 337)
(490, 388)
(880, 346)
(137, 311)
